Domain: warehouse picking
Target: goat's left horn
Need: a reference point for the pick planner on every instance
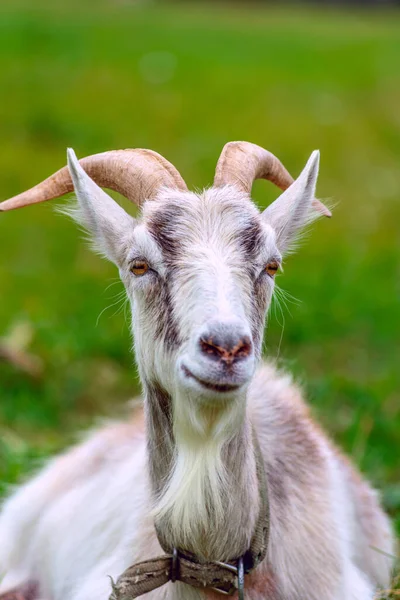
(136, 174)
(241, 163)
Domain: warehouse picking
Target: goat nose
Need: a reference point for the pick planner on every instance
(226, 347)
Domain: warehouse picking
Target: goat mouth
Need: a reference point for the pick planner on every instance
(209, 385)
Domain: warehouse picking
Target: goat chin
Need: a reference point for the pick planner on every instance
(89, 513)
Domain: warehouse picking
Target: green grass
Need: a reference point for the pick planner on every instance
(183, 80)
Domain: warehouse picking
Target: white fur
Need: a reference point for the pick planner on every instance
(88, 515)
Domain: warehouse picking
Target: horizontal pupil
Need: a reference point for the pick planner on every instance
(139, 268)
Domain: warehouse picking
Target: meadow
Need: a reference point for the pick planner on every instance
(183, 79)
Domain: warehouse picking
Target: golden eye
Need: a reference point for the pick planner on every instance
(139, 267)
(272, 268)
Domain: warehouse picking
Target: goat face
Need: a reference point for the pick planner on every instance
(198, 268)
(199, 272)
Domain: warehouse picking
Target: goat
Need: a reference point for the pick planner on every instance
(199, 273)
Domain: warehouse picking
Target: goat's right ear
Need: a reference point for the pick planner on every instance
(293, 210)
(107, 223)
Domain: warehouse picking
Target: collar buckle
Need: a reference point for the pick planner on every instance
(239, 572)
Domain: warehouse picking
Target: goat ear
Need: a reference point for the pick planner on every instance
(107, 223)
(293, 209)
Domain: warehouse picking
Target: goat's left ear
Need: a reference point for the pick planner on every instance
(293, 209)
(108, 223)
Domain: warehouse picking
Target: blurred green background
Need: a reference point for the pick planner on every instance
(183, 79)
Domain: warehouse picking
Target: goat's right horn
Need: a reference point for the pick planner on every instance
(137, 174)
(241, 163)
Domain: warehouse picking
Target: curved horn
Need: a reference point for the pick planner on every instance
(241, 163)
(136, 174)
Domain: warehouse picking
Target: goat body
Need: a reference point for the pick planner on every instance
(88, 514)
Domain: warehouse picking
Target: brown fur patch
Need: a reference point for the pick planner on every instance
(162, 226)
(160, 442)
(252, 238)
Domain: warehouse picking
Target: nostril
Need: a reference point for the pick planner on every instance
(211, 347)
(226, 352)
(243, 348)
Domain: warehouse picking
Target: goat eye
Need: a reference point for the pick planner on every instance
(272, 267)
(139, 267)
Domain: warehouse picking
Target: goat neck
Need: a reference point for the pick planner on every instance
(205, 487)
